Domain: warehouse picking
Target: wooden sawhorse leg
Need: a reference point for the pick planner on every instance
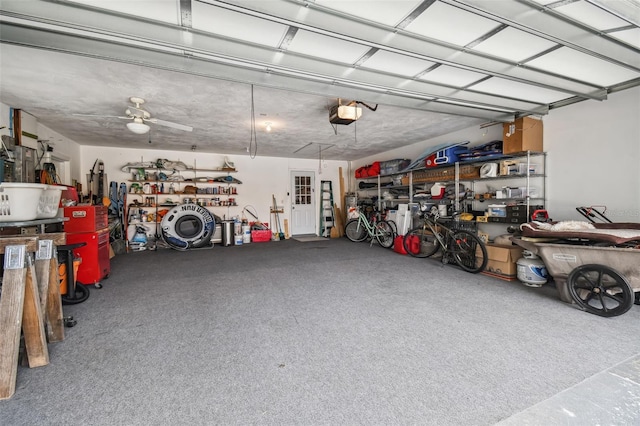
(49, 285)
(20, 309)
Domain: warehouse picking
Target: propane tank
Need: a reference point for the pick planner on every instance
(531, 270)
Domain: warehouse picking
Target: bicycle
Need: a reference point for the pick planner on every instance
(360, 229)
(431, 236)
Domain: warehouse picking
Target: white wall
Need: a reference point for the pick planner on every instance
(594, 157)
(261, 177)
(5, 120)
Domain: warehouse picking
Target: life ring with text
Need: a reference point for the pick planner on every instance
(188, 226)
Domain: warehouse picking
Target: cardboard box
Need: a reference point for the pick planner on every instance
(502, 259)
(508, 167)
(524, 134)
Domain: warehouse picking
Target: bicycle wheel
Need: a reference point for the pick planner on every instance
(393, 226)
(464, 247)
(420, 242)
(384, 234)
(355, 231)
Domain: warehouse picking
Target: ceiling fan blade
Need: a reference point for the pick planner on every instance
(103, 116)
(170, 124)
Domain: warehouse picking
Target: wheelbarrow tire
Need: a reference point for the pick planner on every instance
(591, 288)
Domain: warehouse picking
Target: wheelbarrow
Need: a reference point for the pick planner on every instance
(601, 280)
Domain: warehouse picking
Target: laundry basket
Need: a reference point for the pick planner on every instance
(49, 202)
(19, 201)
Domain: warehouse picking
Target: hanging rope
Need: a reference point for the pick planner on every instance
(253, 140)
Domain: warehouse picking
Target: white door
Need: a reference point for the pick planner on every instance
(303, 204)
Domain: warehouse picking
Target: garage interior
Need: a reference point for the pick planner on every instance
(326, 331)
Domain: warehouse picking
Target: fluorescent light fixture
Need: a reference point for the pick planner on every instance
(138, 127)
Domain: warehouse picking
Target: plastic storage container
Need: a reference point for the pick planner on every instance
(49, 202)
(497, 210)
(20, 201)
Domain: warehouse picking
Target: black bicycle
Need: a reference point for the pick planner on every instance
(465, 248)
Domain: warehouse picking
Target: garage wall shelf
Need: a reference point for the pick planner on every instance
(520, 180)
(147, 198)
(517, 179)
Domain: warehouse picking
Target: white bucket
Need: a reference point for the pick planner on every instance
(246, 234)
(238, 240)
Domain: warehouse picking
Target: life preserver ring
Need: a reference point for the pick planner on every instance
(188, 226)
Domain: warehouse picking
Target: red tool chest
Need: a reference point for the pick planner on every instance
(90, 225)
(86, 218)
(95, 255)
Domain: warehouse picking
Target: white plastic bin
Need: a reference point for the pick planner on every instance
(49, 202)
(19, 201)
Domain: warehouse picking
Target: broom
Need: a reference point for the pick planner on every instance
(277, 219)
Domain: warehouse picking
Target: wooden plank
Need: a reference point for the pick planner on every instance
(31, 242)
(49, 285)
(59, 238)
(53, 310)
(339, 222)
(42, 273)
(11, 307)
(33, 323)
(342, 202)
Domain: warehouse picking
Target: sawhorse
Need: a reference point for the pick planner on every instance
(27, 304)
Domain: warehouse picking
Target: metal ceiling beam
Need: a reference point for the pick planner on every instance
(628, 10)
(217, 68)
(330, 22)
(137, 29)
(525, 15)
(304, 67)
(152, 34)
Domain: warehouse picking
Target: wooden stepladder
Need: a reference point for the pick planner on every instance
(26, 305)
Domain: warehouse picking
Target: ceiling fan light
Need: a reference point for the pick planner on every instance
(138, 128)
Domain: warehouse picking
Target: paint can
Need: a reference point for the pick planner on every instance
(238, 240)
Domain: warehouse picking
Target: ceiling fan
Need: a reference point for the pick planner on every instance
(140, 117)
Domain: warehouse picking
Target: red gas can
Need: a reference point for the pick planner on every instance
(398, 245)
